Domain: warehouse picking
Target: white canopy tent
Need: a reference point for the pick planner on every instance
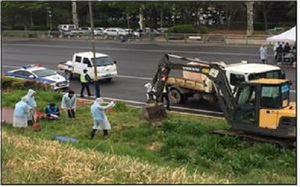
(287, 36)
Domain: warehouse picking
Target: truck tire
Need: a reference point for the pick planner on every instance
(177, 96)
(69, 75)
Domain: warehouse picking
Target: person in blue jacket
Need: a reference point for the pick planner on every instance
(100, 119)
(52, 111)
(21, 112)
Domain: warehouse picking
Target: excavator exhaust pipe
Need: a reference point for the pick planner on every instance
(154, 112)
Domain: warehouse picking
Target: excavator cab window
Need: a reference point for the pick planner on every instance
(270, 97)
(246, 101)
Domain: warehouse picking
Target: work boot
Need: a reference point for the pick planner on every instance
(93, 132)
(105, 133)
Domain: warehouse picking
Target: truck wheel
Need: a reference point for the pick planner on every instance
(177, 97)
(69, 75)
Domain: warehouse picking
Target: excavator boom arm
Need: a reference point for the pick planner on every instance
(213, 70)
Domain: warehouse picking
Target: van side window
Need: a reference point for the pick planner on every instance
(87, 61)
(77, 59)
(236, 79)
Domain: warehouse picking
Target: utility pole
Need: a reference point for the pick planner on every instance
(96, 81)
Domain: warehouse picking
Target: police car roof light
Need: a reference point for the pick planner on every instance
(31, 66)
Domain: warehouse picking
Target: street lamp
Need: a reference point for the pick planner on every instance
(96, 81)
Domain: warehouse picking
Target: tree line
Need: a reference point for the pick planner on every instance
(41, 15)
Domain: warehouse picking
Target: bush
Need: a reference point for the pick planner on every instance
(204, 29)
(210, 148)
(120, 106)
(9, 83)
(245, 161)
(188, 28)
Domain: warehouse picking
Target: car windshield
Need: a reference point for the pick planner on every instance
(103, 61)
(44, 72)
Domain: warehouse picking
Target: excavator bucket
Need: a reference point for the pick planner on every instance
(154, 112)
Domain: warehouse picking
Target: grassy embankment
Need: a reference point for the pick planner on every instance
(179, 151)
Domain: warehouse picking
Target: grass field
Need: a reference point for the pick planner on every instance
(181, 150)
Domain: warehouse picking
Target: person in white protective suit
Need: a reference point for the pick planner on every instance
(150, 91)
(32, 103)
(263, 50)
(68, 103)
(21, 112)
(100, 119)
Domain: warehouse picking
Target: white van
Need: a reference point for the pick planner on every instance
(106, 66)
(66, 27)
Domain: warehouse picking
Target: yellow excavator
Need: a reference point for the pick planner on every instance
(259, 109)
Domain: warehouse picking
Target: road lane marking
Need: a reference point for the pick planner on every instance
(9, 66)
(134, 77)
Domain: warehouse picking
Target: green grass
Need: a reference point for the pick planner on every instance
(180, 141)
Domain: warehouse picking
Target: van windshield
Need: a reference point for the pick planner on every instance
(103, 61)
(268, 75)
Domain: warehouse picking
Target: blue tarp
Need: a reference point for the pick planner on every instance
(66, 139)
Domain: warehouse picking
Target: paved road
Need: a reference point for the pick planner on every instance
(136, 62)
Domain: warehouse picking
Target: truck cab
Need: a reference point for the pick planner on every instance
(244, 72)
(105, 65)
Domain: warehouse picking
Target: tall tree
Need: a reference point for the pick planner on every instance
(74, 13)
(250, 29)
(231, 9)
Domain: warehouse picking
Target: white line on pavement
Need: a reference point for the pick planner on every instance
(134, 77)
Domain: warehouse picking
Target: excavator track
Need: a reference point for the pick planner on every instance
(286, 143)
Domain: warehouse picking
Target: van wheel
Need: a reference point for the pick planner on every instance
(177, 97)
(69, 75)
(108, 79)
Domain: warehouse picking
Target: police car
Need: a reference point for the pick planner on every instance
(41, 74)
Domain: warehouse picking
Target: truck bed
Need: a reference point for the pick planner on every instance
(190, 84)
(65, 66)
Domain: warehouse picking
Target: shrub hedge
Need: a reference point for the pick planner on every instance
(9, 83)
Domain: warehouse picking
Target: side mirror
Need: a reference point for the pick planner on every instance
(115, 62)
(31, 76)
(282, 76)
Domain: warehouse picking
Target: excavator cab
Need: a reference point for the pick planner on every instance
(263, 107)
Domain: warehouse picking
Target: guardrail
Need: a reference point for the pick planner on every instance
(193, 38)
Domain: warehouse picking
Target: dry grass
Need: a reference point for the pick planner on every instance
(33, 161)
